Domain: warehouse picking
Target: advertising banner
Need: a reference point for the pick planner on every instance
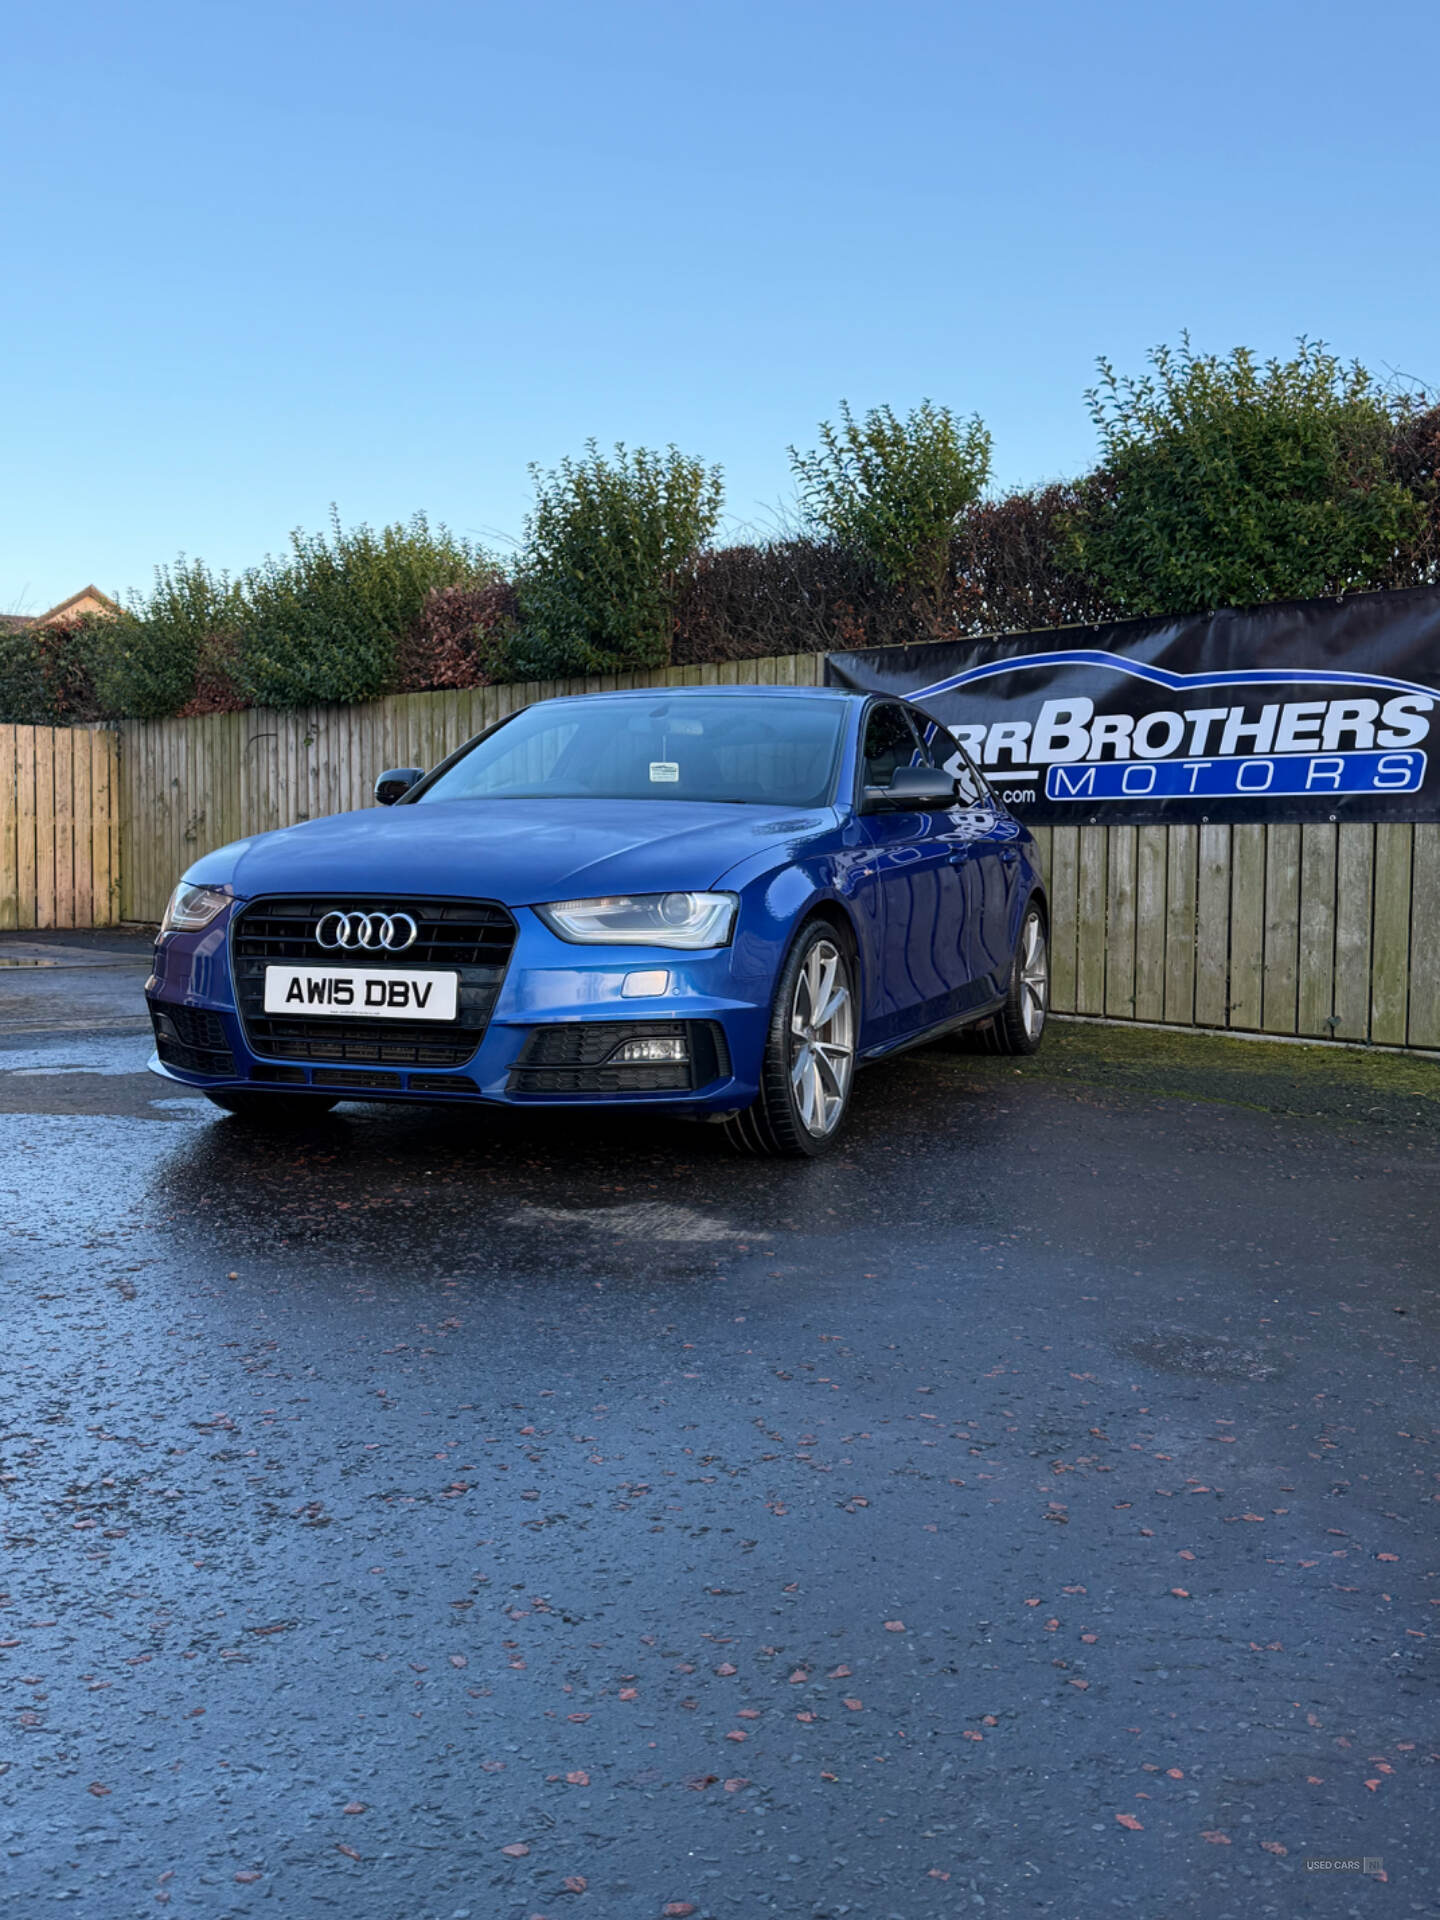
(1303, 710)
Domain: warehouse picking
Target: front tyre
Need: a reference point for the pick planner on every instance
(272, 1109)
(809, 1062)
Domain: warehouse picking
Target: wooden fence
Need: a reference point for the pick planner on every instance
(1327, 932)
(189, 785)
(59, 828)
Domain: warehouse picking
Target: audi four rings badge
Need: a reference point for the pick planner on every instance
(370, 932)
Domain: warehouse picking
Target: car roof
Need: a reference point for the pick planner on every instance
(649, 693)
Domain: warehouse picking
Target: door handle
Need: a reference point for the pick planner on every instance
(1009, 855)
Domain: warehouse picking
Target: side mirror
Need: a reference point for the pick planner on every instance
(912, 790)
(395, 783)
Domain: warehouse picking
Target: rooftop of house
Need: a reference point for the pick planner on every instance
(87, 600)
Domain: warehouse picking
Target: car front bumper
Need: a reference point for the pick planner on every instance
(546, 1042)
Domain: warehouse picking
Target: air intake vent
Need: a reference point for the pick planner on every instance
(192, 1039)
(353, 1082)
(579, 1058)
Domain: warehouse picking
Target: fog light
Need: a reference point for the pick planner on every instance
(645, 986)
(669, 1048)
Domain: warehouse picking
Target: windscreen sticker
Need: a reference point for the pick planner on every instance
(664, 769)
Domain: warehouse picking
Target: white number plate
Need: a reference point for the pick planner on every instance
(367, 992)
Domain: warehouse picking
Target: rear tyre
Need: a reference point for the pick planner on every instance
(272, 1109)
(809, 1062)
(1019, 1026)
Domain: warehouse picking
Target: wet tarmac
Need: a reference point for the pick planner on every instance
(1029, 1510)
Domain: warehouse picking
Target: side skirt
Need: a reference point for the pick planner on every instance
(972, 1017)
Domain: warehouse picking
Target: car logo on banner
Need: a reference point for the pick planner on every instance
(1272, 713)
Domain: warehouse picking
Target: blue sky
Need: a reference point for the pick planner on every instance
(261, 257)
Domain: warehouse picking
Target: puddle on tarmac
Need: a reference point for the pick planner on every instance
(1212, 1357)
(111, 1059)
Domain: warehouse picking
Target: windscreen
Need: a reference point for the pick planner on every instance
(723, 747)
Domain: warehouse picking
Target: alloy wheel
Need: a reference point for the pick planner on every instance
(822, 1039)
(1034, 977)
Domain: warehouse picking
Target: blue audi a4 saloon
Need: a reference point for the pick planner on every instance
(719, 901)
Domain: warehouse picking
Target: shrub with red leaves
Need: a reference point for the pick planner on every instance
(790, 596)
(66, 671)
(1011, 570)
(216, 690)
(1415, 454)
(459, 638)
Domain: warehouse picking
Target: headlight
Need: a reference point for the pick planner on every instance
(644, 919)
(191, 908)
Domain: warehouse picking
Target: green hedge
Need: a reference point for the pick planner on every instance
(1221, 480)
